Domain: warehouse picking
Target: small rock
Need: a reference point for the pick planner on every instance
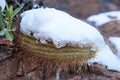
(8, 69)
(98, 69)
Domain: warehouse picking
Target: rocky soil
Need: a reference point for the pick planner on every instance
(17, 66)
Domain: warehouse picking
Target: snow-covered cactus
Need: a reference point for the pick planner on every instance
(58, 40)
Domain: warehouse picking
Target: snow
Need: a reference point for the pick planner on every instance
(103, 18)
(106, 57)
(63, 29)
(116, 42)
(60, 27)
(2, 4)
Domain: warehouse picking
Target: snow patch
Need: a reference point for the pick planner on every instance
(106, 57)
(116, 42)
(103, 18)
(2, 4)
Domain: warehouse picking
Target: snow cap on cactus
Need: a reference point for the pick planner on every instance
(60, 27)
(64, 30)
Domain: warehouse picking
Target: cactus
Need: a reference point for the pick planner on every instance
(69, 58)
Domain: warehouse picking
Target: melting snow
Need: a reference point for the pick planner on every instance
(116, 42)
(103, 18)
(61, 28)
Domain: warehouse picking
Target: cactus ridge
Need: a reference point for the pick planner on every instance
(67, 57)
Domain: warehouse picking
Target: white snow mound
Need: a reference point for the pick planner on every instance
(103, 18)
(60, 27)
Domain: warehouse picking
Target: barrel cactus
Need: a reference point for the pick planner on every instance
(58, 41)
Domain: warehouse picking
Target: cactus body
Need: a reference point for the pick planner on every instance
(69, 58)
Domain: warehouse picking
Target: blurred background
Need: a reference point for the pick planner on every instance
(83, 8)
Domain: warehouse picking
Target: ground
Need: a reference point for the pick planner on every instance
(14, 65)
